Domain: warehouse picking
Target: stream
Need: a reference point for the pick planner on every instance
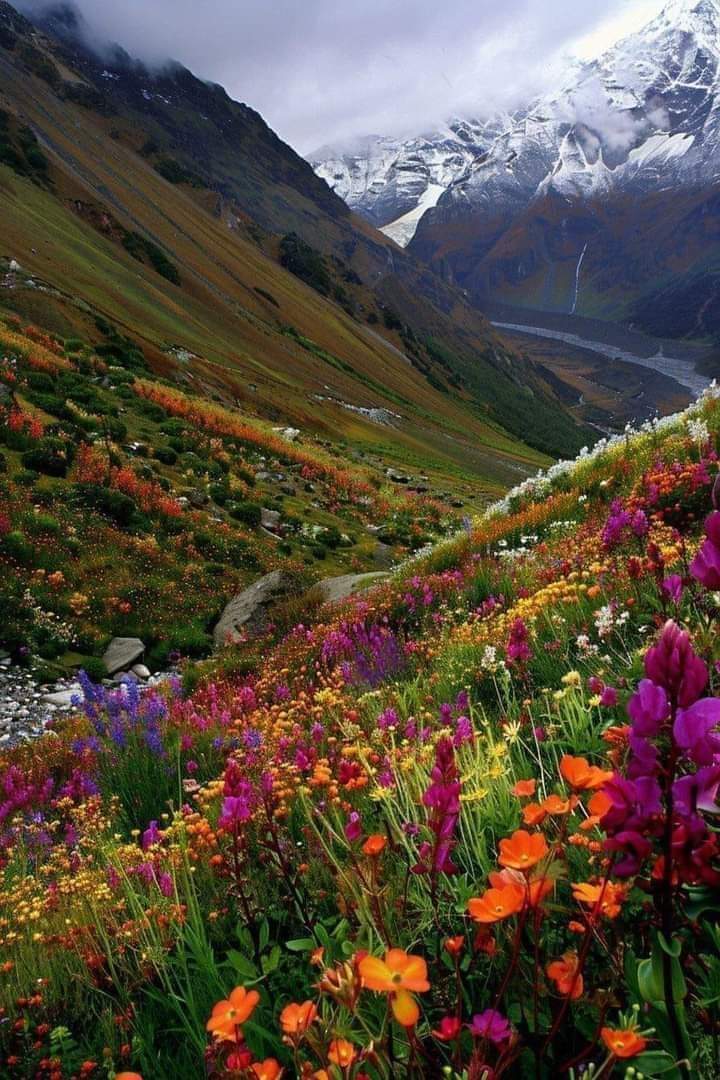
(682, 371)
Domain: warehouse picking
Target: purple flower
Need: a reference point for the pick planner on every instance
(353, 828)
(491, 1025)
(672, 587)
(648, 708)
(705, 567)
(150, 836)
(693, 727)
(698, 792)
(609, 697)
(673, 664)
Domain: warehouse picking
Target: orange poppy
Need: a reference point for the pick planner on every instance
(580, 774)
(397, 974)
(555, 805)
(342, 1053)
(268, 1069)
(533, 814)
(128, 1076)
(296, 1019)
(497, 904)
(229, 1014)
(609, 897)
(534, 889)
(524, 789)
(566, 976)
(598, 806)
(374, 845)
(522, 850)
(623, 1042)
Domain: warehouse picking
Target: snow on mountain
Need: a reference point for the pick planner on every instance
(645, 113)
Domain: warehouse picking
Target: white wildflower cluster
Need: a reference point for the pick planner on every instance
(489, 660)
(606, 620)
(585, 646)
(698, 431)
(537, 487)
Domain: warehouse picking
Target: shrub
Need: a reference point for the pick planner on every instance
(166, 455)
(94, 668)
(114, 504)
(248, 513)
(50, 457)
(17, 547)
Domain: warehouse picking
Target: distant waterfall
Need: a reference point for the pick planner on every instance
(577, 279)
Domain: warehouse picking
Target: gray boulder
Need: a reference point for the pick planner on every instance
(269, 519)
(339, 588)
(247, 613)
(122, 653)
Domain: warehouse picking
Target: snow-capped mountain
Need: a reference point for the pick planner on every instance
(644, 114)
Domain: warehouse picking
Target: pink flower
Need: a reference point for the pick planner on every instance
(705, 567)
(491, 1025)
(673, 664)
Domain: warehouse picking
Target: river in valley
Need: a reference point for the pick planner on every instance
(681, 370)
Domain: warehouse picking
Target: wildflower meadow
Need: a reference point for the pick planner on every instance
(462, 825)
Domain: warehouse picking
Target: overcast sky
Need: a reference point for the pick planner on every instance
(321, 71)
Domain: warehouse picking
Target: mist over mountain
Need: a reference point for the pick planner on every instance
(507, 207)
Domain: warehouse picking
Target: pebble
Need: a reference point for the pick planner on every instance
(26, 706)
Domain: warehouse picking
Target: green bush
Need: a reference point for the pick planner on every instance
(114, 504)
(94, 668)
(248, 513)
(50, 457)
(166, 455)
(15, 545)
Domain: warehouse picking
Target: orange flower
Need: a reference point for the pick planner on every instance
(268, 1069)
(397, 974)
(128, 1076)
(534, 889)
(342, 1053)
(374, 845)
(609, 896)
(623, 1042)
(296, 1019)
(533, 814)
(580, 774)
(566, 976)
(497, 904)
(229, 1014)
(555, 805)
(454, 945)
(524, 789)
(598, 806)
(522, 850)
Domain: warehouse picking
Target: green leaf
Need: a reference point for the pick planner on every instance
(657, 1063)
(264, 935)
(302, 944)
(244, 967)
(269, 963)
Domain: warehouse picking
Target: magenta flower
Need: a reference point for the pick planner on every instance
(491, 1025)
(672, 587)
(673, 664)
(698, 792)
(648, 708)
(693, 730)
(353, 828)
(609, 697)
(705, 567)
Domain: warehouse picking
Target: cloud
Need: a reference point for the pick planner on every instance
(619, 128)
(323, 70)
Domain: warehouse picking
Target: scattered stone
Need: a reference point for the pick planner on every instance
(339, 588)
(246, 613)
(270, 519)
(62, 699)
(141, 671)
(122, 653)
(198, 499)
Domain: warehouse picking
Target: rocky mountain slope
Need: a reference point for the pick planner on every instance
(549, 208)
(177, 214)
